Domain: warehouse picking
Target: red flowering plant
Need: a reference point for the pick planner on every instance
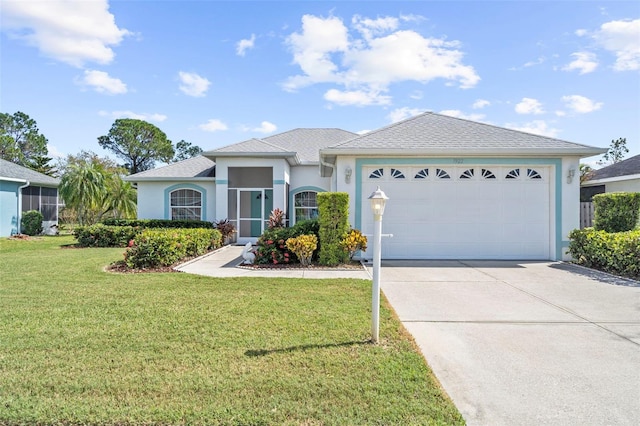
(272, 247)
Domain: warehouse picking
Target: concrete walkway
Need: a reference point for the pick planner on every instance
(533, 343)
(224, 263)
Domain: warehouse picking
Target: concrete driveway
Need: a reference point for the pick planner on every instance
(524, 343)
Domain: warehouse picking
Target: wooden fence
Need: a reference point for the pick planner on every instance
(586, 215)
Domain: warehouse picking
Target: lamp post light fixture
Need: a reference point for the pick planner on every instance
(378, 200)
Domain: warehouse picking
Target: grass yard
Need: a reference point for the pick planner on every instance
(82, 346)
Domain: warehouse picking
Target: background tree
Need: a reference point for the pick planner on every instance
(137, 142)
(82, 187)
(42, 164)
(20, 140)
(617, 150)
(185, 150)
(586, 171)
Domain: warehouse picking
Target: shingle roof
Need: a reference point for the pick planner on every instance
(14, 171)
(306, 143)
(196, 167)
(630, 166)
(436, 132)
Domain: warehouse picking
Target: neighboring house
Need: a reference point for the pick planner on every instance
(23, 189)
(623, 176)
(457, 189)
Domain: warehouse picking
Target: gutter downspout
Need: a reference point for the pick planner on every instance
(333, 175)
(20, 188)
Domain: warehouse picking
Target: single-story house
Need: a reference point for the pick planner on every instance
(23, 189)
(457, 189)
(623, 176)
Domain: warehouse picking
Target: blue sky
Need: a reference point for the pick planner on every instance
(214, 73)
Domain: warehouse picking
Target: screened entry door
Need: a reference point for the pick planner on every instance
(249, 210)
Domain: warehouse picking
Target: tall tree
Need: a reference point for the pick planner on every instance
(586, 171)
(617, 150)
(185, 150)
(138, 143)
(42, 164)
(20, 140)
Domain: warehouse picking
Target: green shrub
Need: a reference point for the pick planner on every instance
(31, 222)
(159, 223)
(272, 244)
(616, 211)
(99, 235)
(165, 247)
(333, 215)
(617, 253)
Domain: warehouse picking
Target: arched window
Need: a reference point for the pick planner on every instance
(305, 205)
(186, 204)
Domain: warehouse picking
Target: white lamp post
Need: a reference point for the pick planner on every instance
(378, 200)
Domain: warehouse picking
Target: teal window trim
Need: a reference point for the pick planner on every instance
(554, 162)
(169, 190)
(279, 182)
(292, 194)
(222, 181)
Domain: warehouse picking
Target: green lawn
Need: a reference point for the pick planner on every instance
(82, 346)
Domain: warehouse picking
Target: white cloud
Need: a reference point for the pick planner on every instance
(529, 106)
(362, 132)
(581, 32)
(621, 38)
(561, 113)
(74, 32)
(581, 104)
(265, 127)
(356, 97)
(459, 114)
(480, 103)
(416, 94)
(53, 152)
(158, 118)
(400, 114)
(213, 125)
(245, 44)
(585, 62)
(370, 58)
(538, 127)
(101, 82)
(193, 84)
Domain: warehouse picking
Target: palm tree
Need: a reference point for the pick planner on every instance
(82, 188)
(121, 199)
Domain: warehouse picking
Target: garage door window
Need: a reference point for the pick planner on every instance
(377, 174)
(397, 174)
(488, 174)
(513, 174)
(467, 174)
(441, 174)
(422, 174)
(532, 174)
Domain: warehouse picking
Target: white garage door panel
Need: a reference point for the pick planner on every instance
(458, 218)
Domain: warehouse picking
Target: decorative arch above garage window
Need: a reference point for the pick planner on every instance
(377, 174)
(467, 174)
(513, 174)
(397, 174)
(441, 174)
(533, 174)
(488, 174)
(186, 204)
(422, 174)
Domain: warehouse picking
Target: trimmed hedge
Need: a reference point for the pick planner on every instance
(159, 223)
(272, 244)
(333, 214)
(31, 222)
(616, 211)
(99, 235)
(165, 247)
(617, 253)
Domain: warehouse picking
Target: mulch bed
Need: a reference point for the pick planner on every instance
(353, 266)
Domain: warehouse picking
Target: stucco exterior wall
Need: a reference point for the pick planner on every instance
(154, 203)
(8, 208)
(305, 176)
(631, 185)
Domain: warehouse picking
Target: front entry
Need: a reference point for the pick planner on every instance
(249, 210)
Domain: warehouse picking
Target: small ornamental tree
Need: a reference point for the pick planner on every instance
(333, 215)
(303, 247)
(31, 222)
